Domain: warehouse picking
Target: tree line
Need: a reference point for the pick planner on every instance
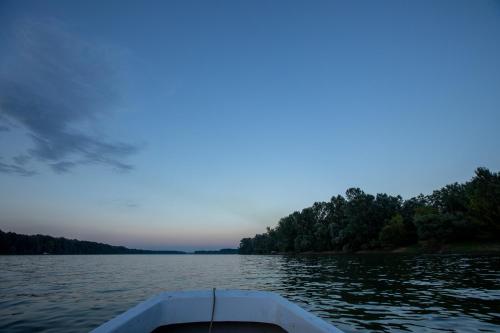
(361, 221)
(12, 243)
(221, 251)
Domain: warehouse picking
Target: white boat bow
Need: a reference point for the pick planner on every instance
(229, 311)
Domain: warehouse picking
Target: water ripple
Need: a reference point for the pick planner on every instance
(368, 293)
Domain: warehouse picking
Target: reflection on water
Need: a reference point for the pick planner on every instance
(383, 293)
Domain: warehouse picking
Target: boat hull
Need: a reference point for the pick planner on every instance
(168, 309)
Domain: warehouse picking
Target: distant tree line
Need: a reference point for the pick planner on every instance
(12, 243)
(360, 221)
(221, 251)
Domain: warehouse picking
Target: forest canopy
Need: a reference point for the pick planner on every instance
(12, 243)
(361, 221)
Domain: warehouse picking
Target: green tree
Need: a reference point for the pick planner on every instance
(441, 227)
(287, 232)
(394, 233)
(246, 246)
(363, 221)
(336, 221)
(484, 194)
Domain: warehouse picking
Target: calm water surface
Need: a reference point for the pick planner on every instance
(366, 293)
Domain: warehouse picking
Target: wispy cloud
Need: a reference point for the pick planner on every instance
(21, 159)
(62, 167)
(55, 86)
(15, 169)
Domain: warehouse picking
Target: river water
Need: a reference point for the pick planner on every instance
(357, 293)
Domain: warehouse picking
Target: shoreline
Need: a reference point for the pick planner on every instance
(451, 248)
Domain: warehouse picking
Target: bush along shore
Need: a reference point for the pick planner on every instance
(456, 218)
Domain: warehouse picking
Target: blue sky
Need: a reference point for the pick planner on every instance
(192, 124)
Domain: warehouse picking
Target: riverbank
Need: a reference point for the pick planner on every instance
(422, 248)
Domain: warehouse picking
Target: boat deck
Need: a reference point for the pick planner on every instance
(221, 327)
